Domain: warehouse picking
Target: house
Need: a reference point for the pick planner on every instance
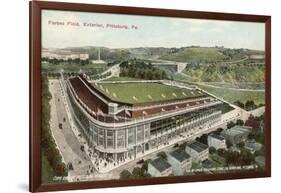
(180, 161)
(236, 134)
(255, 123)
(252, 145)
(159, 167)
(198, 151)
(216, 141)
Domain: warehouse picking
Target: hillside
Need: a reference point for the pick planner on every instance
(230, 73)
(206, 55)
(193, 54)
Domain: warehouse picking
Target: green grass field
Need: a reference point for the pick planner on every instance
(144, 92)
(234, 95)
(121, 79)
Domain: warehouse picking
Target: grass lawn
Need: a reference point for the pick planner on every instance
(144, 92)
(122, 79)
(234, 95)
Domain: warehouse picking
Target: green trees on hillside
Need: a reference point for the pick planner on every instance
(249, 105)
(48, 146)
(142, 70)
(226, 73)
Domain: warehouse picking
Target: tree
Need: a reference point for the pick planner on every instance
(232, 157)
(246, 157)
(221, 152)
(183, 145)
(239, 104)
(240, 122)
(162, 154)
(125, 174)
(218, 131)
(212, 150)
(241, 145)
(138, 172)
(230, 124)
(203, 139)
(60, 170)
(250, 105)
(228, 143)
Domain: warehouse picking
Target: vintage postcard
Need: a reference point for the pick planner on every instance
(133, 97)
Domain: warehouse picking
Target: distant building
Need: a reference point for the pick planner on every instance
(255, 123)
(198, 151)
(216, 141)
(63, 54)
(84, 56)
(159, 167)
(236, 134)
(180, 161)
(252, 145)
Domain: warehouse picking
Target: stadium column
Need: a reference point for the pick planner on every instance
(135, 149)
(143, 138)
(126, 143)
(115, 144)
(105, 139)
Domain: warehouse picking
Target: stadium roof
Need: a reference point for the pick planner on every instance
(180, 155)
(197, 146)
(140, 92)
(160, 164)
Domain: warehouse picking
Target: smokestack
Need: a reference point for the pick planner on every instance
(98, 53)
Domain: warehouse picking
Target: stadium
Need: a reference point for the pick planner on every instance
(124, 120)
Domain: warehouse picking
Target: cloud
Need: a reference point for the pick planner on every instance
(153, 31)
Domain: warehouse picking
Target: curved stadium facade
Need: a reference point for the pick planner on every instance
(125, 120)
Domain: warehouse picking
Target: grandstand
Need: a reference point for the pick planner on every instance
(122, 121)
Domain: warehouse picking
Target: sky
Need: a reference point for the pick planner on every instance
(145, 31)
